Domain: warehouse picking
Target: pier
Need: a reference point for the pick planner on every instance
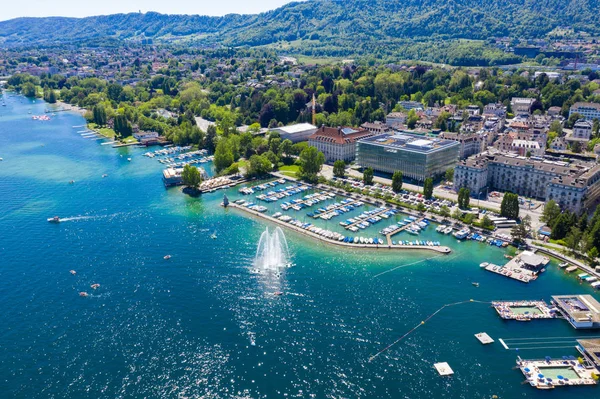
(524, 267)
(362, 220)
(438, 249)
(400, 229)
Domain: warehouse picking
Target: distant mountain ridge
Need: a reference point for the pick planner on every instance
(336, 22)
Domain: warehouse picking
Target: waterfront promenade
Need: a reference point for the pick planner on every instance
(439, 249)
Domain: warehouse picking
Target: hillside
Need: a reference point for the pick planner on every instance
(319, 27)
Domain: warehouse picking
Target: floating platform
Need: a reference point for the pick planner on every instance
(484, 338)
(443, 369)
(571, 269)
(524, 310)
(551, 373)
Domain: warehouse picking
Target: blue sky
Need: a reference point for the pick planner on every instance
(83, 8)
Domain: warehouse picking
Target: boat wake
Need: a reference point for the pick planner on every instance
(89, 217)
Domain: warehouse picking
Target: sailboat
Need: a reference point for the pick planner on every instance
(214, 235)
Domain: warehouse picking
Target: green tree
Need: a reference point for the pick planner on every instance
(412, 119)
(445, 211)
(464, 197)
(449, 175)
(561, 226)
(397, 181)
(551, 212)
(259, 165)
(211, 136)
(223, 155)
(311, 162)
(339, 168)
(191, 176)
(99, 113)
(122, 126)
(510, 206)
(368, 176)
(519, 233)
(28, 90)
(573, 239)
(286, 149)
(428, 188)
(421, 207)
(487, 223)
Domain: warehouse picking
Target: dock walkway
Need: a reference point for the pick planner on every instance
(400, 229)
(362, 220)
(327, 211)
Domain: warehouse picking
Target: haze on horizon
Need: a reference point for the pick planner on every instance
(77, 8)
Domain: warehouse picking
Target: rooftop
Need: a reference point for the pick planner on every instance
(410, 142)
(592, 348)
(297, 128)
(579, 307)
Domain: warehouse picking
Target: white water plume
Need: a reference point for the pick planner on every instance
(272, 252)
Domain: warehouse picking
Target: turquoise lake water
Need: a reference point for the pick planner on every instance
(186, 327)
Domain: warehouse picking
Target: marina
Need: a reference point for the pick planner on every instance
(333, 237)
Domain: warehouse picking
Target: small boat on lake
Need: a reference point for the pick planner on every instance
(54, 219)
(167, 257)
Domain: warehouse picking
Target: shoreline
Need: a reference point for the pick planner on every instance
(441, 249)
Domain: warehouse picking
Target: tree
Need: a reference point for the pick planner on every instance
(487, 223)
(397, 181)
(428, 188)
(259, 165)
(211, 135)
(421, 207)
(286, 149)
(444, 211)
(339, 168)
(28, 90)
(573, 239)
(122, 126)
(311, 161)
(551, 212)
(449, 175)
(191, 176)
(519, 233)
(99, 115)
(510, 206)
(561, 226)
(412, 119)
(223, 155)
(368, 176)
(464, 197)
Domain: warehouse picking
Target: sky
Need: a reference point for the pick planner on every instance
(83, 8)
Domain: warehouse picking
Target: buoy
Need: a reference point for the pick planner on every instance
(422, 322)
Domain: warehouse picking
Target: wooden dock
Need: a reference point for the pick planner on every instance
(370, 216)
(317, 216)
(400, 229)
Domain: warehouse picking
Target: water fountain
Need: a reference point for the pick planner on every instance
(272, 252)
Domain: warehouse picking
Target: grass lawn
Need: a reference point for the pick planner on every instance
(106, 132)
(129, 139)
(289, 170)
